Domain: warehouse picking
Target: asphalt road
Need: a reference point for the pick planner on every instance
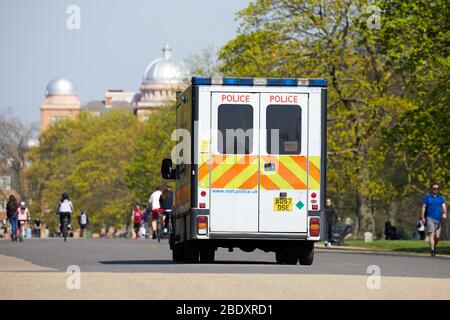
(143, 269)
(121, 255)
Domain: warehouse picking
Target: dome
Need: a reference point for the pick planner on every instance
(60, 86)
(165, 70)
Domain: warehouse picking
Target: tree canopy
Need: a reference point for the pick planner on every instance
(388, 92)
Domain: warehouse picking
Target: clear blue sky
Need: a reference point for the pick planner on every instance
(117, 39)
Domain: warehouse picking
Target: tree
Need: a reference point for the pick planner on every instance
(203, 63)
(15, 140)
(155, 144)
(334, 40)
(87, 158)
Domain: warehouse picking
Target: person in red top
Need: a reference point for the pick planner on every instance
(137, 219)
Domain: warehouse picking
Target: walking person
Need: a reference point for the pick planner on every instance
(23, 215)
(387, 231)
(65, 209)
(83, 221)
(421, 229)
(155, 203)
(433, 210)
(330, 214)
(11, 214)
(146, 217)
(166, 202)
(137, 219)
(37, 228)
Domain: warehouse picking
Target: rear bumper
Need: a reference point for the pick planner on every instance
(258, 236)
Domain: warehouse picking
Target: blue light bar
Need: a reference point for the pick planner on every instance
(231, 81)
(201, 81)
(285, 82)
(317, 82)
(281, 82)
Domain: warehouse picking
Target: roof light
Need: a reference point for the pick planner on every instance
(201, 81)
(317, 82)
(246, 81)
(218, 80)
(281, 82)
(260, 81)
(303, 82)
(231, 81)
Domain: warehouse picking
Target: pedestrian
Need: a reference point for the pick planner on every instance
(11, 214)
(137, 219)
(421, 229)
(433, 210)
(146, 217)
(387, 231)
(37, 228)
(23, 215)
(330, 214)
(83, 221)
(155, 203)
(166, 202)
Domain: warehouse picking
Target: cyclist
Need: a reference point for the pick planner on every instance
(166, 203)
(65, 209)
(156, 209)
(23, 215)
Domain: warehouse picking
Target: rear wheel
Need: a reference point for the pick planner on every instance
(178, 253)
(207, 255)
(291, 257)
(306, 256)
(191, 252)
(279, 257)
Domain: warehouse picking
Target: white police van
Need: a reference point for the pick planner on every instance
(249, 168)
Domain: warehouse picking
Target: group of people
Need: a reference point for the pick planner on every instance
(159, 206)
(19, 217)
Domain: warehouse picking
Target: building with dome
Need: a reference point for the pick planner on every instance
(61, 101)
(162, 79)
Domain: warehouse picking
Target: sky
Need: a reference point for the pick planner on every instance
(109, 49)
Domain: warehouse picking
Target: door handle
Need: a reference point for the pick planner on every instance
(269, 167)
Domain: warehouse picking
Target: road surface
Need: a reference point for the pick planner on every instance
(127, 269)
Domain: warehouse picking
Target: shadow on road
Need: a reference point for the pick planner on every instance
(170, 262)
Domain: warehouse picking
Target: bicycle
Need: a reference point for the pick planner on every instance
(65, 226)
(159, 225)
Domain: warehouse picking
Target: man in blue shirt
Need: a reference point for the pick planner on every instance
(433, 210)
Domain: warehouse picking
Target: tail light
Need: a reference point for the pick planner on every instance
(202, 225)
(314, 227)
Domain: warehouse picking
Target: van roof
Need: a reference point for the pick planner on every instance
(280, 82)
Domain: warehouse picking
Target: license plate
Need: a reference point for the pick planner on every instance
(282, 204)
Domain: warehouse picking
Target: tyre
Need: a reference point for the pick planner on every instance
(306, 256)
(207, 255)
(191, 252)
(291, 257)
(178, 253)
(279, 257)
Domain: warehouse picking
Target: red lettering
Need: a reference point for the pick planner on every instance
(236, 98)
(283, 99)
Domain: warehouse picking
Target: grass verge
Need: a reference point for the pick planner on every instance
(413, 246)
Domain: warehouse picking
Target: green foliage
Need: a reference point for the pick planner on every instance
(144, 170)
(87, 158)
(383, 85)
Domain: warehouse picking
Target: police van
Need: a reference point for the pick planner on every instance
(249, 168)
